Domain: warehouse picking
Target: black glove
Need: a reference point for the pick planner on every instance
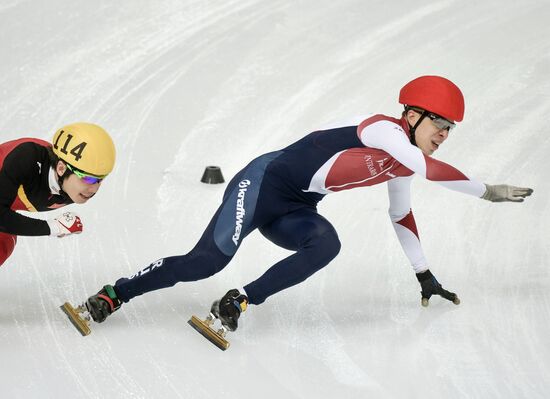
(430, 286)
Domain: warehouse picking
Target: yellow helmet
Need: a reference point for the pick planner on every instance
(85, 146)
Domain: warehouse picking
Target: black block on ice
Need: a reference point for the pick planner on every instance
(212, 175)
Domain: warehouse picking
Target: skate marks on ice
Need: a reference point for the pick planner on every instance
(79, 317)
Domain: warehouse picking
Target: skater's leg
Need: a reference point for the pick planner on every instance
(312, 237)
(7, 244)
(235, 219)
(203, 261)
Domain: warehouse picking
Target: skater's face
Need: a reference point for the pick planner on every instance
(76, 187)
(428, 136)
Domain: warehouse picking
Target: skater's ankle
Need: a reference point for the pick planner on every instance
(238, 299)
(244, 299)
(109, 294)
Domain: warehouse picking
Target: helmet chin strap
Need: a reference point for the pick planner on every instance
(412, 129)
(60, 179)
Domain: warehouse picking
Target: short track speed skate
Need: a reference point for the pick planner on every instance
(79, 317)
(227, 310)
(206, 328)
(97, 308)
(425, 301)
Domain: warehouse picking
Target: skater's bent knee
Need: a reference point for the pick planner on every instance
(324, 248)
(331, 246)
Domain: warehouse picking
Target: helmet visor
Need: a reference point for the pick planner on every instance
(85, 177)
(440, 122)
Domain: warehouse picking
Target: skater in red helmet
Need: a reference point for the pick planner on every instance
(277, 193)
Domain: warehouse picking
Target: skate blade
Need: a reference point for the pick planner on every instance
(207, 332)
(73, 314)
(425, 301)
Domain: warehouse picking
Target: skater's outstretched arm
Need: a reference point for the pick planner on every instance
(392, 139)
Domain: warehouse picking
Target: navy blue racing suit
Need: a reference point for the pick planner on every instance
(258, 197)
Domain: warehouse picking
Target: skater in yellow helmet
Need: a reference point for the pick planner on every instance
(38, 176)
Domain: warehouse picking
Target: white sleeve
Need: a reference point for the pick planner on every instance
(391, 138)
(401, 215)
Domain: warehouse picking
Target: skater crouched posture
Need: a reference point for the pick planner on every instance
(38, 176)
(278, 192)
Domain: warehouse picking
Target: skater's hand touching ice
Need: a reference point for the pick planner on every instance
(67, 223)
(430, 286)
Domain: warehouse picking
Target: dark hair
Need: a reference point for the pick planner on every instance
(54, 159)
(412, 108)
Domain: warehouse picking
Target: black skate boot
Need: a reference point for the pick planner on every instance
(229, 308)
(102, 304)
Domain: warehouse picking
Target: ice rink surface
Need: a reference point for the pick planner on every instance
(185, 84)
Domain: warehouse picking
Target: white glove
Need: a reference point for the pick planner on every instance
(504, 192)
(68, 223)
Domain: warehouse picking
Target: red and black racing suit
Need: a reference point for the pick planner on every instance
(25, 185)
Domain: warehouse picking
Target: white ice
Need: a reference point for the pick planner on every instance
(186, 84)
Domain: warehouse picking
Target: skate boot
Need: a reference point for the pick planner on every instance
(229, 308)
(102, 304)
(98, 307)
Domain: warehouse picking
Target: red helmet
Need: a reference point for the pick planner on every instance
(434, 94)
